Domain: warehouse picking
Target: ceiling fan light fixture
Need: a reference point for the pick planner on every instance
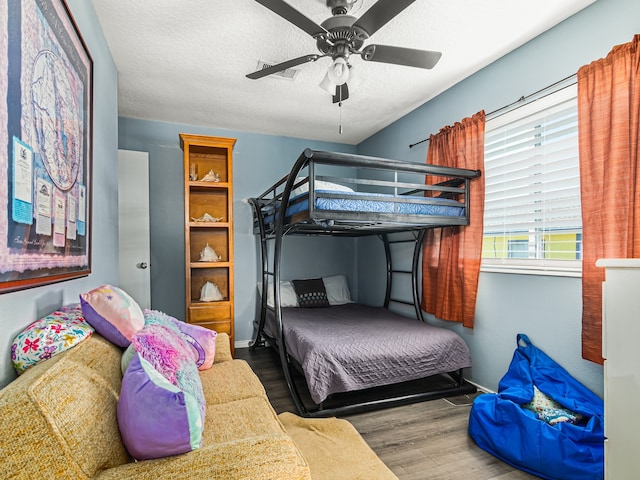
(341, 35)
(338, 72)
(327, 85)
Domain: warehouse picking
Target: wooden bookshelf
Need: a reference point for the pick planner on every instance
(203, 154)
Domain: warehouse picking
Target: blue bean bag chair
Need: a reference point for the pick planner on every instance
(542, 420)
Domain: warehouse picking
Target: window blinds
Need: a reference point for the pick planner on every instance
(532, 204)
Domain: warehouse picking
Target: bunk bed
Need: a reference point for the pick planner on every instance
(355, 357)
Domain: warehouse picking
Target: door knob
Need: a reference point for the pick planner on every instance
(142, 265)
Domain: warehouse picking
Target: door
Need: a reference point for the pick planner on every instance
(133, 238)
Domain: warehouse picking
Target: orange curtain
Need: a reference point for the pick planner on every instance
(451, 255)
(608, 127)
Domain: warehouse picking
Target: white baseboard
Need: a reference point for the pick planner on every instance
(241, 343)
(480, 387)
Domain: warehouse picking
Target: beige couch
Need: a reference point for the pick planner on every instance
(58, 420)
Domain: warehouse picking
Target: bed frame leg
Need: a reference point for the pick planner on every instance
(258, 342)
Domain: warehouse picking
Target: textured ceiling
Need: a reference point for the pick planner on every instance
(186, 61)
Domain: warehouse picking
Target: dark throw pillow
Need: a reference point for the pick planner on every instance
(311, 293)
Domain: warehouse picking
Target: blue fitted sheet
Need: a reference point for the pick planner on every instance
(352, 202)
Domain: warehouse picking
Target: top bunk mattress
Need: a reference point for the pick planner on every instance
(367, 202)
(352, 347)
(387, 204)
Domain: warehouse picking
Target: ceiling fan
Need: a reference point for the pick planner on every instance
(342, 35)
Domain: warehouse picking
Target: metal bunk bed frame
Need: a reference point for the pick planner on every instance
(319, 222)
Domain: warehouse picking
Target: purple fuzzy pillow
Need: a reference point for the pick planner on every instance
(161, 408)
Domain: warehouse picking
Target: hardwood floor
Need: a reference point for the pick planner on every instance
(422, 441)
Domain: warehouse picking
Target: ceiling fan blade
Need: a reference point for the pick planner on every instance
(342, 93)
(400, 56)
(283, 66)
(379, 14)
(289, 13)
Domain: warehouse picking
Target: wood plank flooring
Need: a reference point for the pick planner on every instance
(422, 441)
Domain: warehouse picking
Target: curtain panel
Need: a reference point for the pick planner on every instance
(451, 255)
(608, 127)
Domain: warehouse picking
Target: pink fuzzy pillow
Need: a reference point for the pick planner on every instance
(201, 339)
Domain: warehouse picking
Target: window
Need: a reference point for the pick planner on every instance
(532, 219)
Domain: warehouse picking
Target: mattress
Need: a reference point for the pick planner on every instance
(352, 347)
(383, 203)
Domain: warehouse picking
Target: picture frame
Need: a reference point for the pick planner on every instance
(46, 128)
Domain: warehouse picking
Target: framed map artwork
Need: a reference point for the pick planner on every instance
(46, 94)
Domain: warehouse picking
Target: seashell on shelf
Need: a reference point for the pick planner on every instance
(208, 254)
(211, 176)
(210, 293)
(207, 218)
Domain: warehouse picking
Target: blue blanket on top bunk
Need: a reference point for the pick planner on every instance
(353, 202)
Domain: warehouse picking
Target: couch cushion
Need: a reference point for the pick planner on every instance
(223, 348)
(335, 449)
(60, 415)
(267, 457)
(247, 418)
(229, 381)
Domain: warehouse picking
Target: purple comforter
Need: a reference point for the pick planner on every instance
(353, 347)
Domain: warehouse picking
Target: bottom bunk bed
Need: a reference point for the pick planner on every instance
(354, 347)
(344, 357)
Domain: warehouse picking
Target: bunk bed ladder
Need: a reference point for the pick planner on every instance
(417, 240)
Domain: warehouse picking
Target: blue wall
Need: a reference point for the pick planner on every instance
(258, 161)
(17, 310)
(547, 308)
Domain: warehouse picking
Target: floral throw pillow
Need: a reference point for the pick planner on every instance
(550, 411)
(49, 336)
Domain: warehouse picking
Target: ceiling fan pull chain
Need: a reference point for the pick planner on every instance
(340, 128)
